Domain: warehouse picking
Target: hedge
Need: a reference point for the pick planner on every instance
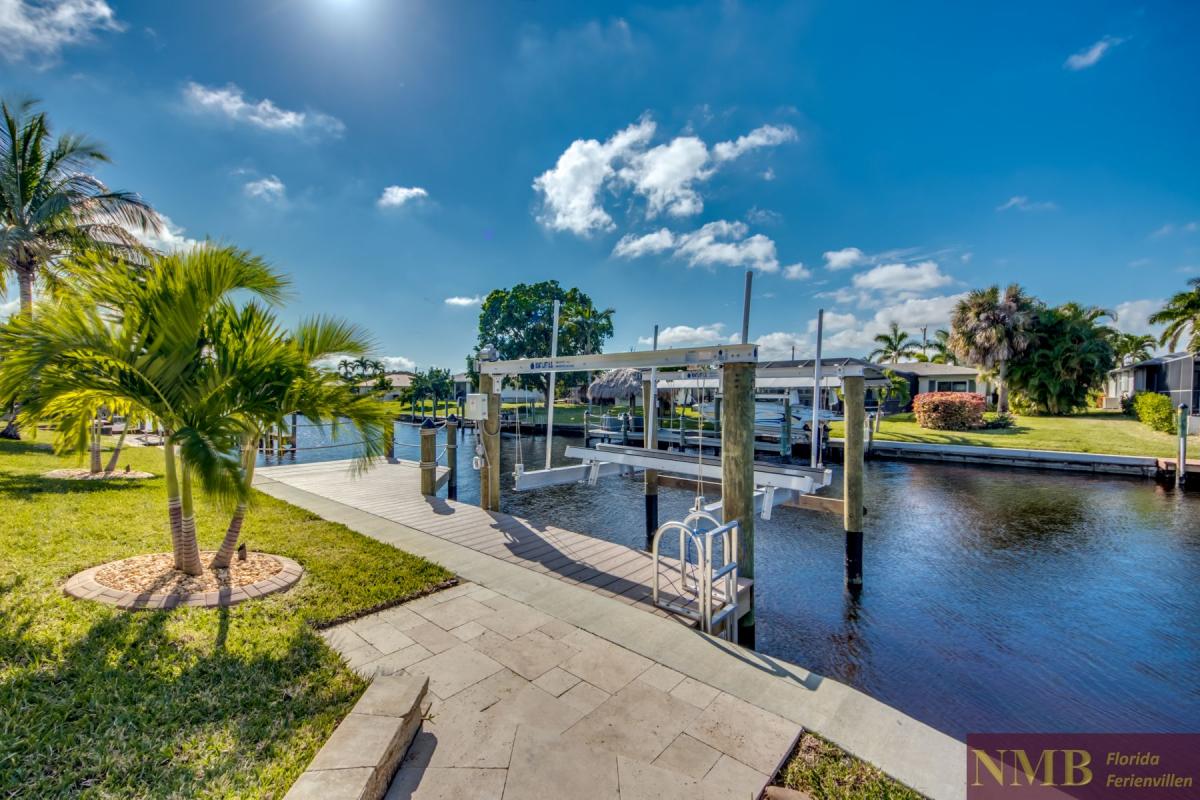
(949, 411)
(1156, 411)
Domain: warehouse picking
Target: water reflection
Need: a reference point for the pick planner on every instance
(994, 599)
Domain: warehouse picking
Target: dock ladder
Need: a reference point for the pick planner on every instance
(714, 586)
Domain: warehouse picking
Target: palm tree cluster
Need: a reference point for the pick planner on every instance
(190, 341)
(894, 345)
(1130, 348)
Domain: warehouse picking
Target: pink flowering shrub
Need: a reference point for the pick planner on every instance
(949, 411)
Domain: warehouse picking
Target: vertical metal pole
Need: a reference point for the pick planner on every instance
(746, 308)
(785, 429)
(815, 439)
(852, 515)
(650, 442)
(737, 473)
(428, 457)
(550, 409)
(452, 456)
(295, 441)
(1181, 462)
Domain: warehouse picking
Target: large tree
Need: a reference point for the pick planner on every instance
(51, 204)
(894, 345)
(990, 328)
(518, 322)
(1067, 356)
(1181, 315)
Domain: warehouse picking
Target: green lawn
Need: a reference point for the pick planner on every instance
(98, 702)
(1089, 432)
(826, 772)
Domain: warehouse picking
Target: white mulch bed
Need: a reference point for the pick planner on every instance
(157, 574)
(88, 475)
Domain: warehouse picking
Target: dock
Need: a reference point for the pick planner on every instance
(539, 596)
(391, 491)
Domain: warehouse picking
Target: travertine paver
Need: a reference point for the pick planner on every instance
(529, 706)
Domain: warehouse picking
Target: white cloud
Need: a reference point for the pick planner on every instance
(569, 189)
(8, 308)
(714, 244)
(797, 272)
(1023, 203)
(778, 345)
(766, 136)
(666, 176)
(231, 103)
(902, 278)
(1090, 56)
(910, 314)
(763, 216)
(269, 189)
(44, 29)
(845, 258)
(631, 246)
(398, 364)
(723, 242)
(768, 174)
(686, 335)
(834, 322)
(463, 302)
(1170, 227)
(396, 196)
(169, 239)
(1133, 316)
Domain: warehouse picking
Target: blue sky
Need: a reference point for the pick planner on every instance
(875, 160)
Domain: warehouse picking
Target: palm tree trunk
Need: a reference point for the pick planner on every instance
(24, 272)
(225, 553)
(111, 466)
(174, 503)
(95, 448)
(189, 548)
(1002, 400)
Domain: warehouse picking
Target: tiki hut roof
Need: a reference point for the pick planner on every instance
(616, 384)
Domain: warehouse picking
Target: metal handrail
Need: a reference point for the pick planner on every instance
(709, 614)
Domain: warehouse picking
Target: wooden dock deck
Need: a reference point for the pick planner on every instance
(392, 491)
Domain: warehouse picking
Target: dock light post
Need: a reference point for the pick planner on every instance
(452, 456)
(428, 457)
(852, 515)
(1181, 464)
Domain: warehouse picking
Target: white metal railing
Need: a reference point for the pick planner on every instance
(714, 586)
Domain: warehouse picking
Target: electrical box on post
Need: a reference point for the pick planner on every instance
(476, 408)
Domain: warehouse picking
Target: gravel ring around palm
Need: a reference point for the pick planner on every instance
(88, 475)
(151, 582)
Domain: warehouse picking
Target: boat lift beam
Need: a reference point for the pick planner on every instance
(644, 359)
(776, 477)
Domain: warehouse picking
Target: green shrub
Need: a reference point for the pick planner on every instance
(1155, 410)
(1001, 420)
(949, 411)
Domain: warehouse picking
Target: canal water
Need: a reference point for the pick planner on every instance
(995, 599)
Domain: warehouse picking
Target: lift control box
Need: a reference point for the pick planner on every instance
(476, 408)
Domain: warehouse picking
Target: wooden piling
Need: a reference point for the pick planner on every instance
(650, 442)
(295, 439)
(452, 456)
(489, 475)
(785, 429)
(737, 473)
(428, 458)
(852, 471)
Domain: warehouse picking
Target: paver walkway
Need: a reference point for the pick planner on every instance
(583, 682)
(392, 491)
(528, 706)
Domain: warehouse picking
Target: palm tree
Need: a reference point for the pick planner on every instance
(1130, 348)
(942, 352)
(894, 345)
(146, 338)
(1181, 315)
(49, 203)
(271, 374)
(990, 328)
